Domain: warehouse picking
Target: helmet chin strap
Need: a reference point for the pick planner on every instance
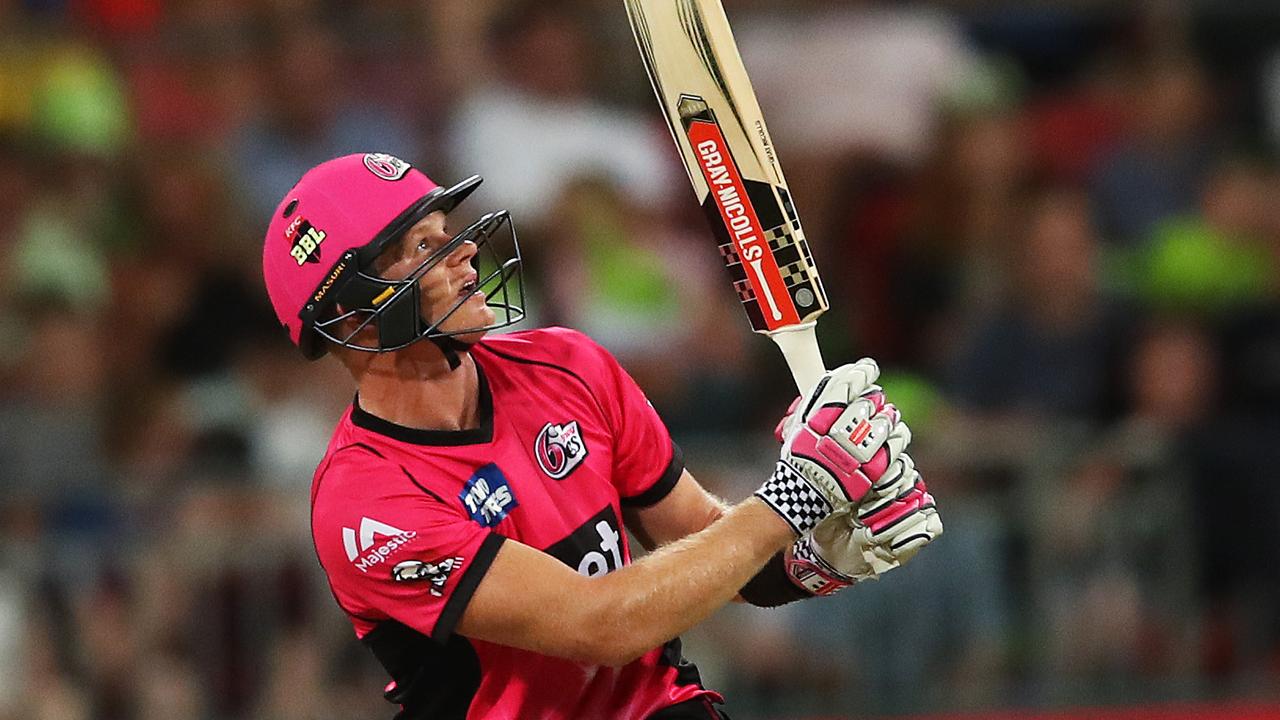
(452, 349)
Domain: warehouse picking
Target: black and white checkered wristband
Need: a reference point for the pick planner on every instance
(791, 496)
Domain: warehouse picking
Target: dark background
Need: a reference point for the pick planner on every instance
(1054, 224)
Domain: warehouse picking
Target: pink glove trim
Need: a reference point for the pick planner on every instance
(885, 517)
(824, 418)
(777, 430)
(877, 399)
(810, 572)
(875, 467)
(836, 455)
(828, 453)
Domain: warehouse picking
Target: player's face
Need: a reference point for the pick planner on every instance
(447, 282)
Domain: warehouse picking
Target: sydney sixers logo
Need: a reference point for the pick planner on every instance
(387, 167)
(560, 449)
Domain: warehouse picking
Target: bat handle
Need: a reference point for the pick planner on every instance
(799, 346)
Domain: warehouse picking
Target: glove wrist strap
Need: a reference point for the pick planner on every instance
(810, 572)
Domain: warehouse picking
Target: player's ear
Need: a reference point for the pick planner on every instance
(348, 324)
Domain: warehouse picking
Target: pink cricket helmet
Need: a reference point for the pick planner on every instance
(331, 225)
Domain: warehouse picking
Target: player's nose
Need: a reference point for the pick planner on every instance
(463, 253)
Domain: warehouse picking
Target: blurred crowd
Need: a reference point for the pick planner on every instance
(1056, 226)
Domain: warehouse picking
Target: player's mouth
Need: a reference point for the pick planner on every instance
(468, 287)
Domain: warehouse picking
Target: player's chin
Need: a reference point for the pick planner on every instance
(473, 314)
(471, 338)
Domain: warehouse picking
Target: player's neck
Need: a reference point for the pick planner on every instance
(419, 390)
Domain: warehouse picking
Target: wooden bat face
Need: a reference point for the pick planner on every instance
(711, 109)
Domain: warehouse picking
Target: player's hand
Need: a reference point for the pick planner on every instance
(900, 514)
(896, 520)
(838, 440)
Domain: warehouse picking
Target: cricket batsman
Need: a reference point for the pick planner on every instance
(472, 508)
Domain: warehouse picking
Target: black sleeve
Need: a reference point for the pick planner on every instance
(771, 587)
(663, 486)
(452, 611)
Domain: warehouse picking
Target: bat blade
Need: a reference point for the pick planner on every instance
(703, 88)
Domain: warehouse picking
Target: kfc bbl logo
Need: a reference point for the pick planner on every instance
(559, 449)
(304, 241)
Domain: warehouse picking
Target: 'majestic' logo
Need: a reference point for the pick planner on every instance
(364, 555)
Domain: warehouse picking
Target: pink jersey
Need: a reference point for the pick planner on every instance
(406, 522)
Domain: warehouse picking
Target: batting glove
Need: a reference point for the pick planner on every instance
(835, 446)
(897, 518)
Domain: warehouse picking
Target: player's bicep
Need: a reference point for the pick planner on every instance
(685, 510)
(530, 600)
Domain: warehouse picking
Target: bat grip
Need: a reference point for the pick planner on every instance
(799, 347)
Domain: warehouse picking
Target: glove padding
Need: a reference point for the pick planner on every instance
(897, 518)
(838, 440)
(900, 514)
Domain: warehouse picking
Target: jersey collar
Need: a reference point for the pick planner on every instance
(471, 436)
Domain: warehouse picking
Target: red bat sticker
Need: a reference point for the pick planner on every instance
(742, 223)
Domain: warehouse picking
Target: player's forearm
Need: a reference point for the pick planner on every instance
(646, 604)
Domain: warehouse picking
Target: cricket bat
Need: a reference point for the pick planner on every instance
(711, 108)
